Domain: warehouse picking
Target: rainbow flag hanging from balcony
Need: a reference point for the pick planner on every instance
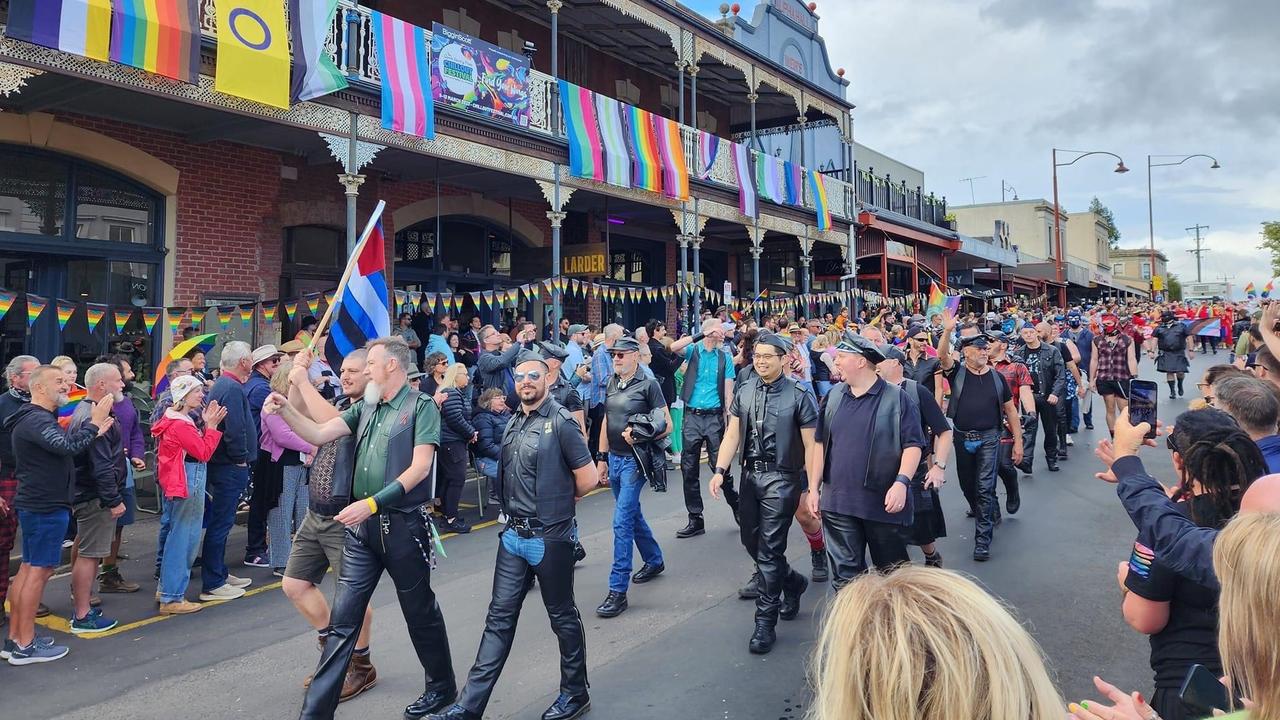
(314, 71)
(747, 203)
(582, 131)
(791, 174)
(769, 180)
(675, 173)
(159, 36)
(646, 165)
(79, 27)
(404, 64)
(708, 149)
(613, 141)
(818, 187)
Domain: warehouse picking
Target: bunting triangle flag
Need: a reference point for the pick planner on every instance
(224, 317)
(402, 297)
(6, 302)
(329, 297)
(93, 314)
(475, 298)
(313, 304)
(275, 311)
(197, 316)
(246, 314)
(35, 306)
(175, 319)
(121, 318)
(290, 309)
(150, 316)
(65, 311)
(415, 297)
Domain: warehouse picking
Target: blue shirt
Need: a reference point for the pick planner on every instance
(437, 343)
(706, 387)
(601, 371)
(570, 366)
(1270, 447)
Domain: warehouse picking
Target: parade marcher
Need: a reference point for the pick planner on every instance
(1050, 333)
(980, 400)
(868, 445)
(17, 375)
(545, 466)
(920, 365)
(1079, 333)
(628, 393)
(772, 420)
(396, 432)
(1049, 383)
(1174, 343)
(708, 387)
(554, 354)
(928, 523)
(1018, 378)
(1113, 364)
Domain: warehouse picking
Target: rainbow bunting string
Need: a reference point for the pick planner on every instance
(224, 318)
(65, 311)
(35, 306)
(121, 318)
(197, 316)
(175, 319)
(646, 166)
(246, 314)
(74, 398)
(291, 309)
(150, 316)
(313, 304)
(93, 314)
(6, 303)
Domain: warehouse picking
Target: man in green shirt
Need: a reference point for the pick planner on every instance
(396, 432)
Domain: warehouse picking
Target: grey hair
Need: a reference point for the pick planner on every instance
(234, 353)
(1251, 401)
(397, 349)
(98, 372)
(613, 331)
(14, 368)
(710, 324)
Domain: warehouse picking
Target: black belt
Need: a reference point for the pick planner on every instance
(759, 466)
(975, 434)
(704, 411)
(526, 527)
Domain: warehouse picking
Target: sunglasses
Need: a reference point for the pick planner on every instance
(533, 375)
(619, 353)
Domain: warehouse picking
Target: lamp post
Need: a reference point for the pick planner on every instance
(1057, 210)
(1151, 225)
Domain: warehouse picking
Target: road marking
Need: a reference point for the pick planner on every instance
(63, 625)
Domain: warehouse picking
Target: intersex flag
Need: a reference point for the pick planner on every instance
(404, 64)
(253, 51)
(363, 305)
(79, 27)
(314, 72)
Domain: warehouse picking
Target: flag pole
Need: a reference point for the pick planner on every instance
(346, 274)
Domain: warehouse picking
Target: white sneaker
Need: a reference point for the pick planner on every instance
(238, 582)
(1070, 441)
(226, 592)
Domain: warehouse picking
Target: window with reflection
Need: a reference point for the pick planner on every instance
(627, 266)
(33, 194)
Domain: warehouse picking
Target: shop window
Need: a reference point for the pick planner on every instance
(316, 246)
(33, 193)
(110, 208)
(777, 267)
(627, 266)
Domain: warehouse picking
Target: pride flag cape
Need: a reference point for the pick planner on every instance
(74, 398)
(159, 36)
(79, 27)
(675, 173)
(404, 63)
(646, 165)
(582, 132)
(818, 186)
(613, 142)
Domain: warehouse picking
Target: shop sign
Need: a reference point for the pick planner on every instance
(590, 259)
(475, 76)
(797, 13)
(960, 278)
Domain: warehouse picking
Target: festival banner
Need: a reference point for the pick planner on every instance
(646, 164)
(675, 173)
(253, 51)
(150, 316)
(403, 62)
(65, 311)
(35, 306)
(79, 27)
(472, 75)
(613, 142)
(121, 317)
(159, 36)
(314, 72)
(581, 129)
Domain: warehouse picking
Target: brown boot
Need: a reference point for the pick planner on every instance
(361, 676)
(320, 644)
(112, 582)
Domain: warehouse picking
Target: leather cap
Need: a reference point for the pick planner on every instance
(782, 342)
(626, 344)
(859, 345)
(892, 352)
(552, 350)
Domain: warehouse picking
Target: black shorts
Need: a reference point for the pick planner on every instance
(1114, 387)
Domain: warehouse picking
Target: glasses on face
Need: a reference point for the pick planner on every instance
(532, 375)
(618, 354)
(769, 355)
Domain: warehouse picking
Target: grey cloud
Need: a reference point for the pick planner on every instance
(1017, 14)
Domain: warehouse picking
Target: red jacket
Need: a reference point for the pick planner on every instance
(176, 439)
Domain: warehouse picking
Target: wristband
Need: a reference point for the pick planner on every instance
(721, 471)
(697, 337)
(601, 457)
(387, 496)
(373, 505)
(903, 479)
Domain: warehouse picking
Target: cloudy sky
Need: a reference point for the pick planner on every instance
(965, 88)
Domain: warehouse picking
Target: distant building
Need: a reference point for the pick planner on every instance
(1131, 267)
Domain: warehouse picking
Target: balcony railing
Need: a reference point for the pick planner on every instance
(883, 192)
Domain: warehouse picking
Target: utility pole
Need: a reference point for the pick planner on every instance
(1199, 250)
(972, 198)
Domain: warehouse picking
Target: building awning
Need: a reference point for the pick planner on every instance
(910, 228)
(987, 251)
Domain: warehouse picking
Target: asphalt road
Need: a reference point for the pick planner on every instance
(679, 652)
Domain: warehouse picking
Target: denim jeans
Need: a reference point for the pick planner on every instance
(181, 522)
(226, 483)
(822, 387)
(285, 518)
(488, 467)
(629, 526)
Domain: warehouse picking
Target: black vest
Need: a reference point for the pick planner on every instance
(691, 376)
(554, 487)
(961, 374)
(399, 450)
(788, 445)
(885, 448)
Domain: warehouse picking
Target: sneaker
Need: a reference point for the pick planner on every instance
(93, 622)
(238, 582)
(35, 653)
(181, 607)
(67, 544)
(257, 561)
(226, 592)
(278, 572)
(10, 645)
(456, 525)
(1070, 441)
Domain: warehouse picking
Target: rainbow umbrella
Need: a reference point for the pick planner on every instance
(202, 343)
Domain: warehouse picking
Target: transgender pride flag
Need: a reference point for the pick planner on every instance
(362, 310)
(403, 62)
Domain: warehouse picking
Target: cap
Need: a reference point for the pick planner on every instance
(415, 374)
(918, 318)
(264, 353)
(626, 344)
(978, 341)
(892, 352)
(293, 346)
(530, 356)
(794, 328)
(552, 350)
(859, 345)
(182, 386)
(781, 342)
(998, 336)
(916, 329)
(577, 328)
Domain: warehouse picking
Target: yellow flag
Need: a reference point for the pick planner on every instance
(253, 51)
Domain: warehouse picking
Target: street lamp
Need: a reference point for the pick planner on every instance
(1057, 211)
(1151, 225)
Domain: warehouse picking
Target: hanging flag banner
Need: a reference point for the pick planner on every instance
(791, 175)
(613, 142)
(646, 165)
(769, 180)
(313, 304)
(818, 188)
(79, 27)
(159, 36)
(246, 314)
(582, 131)
(475, 76)
(403, 64)
(175, 319)
(748, 204)
(253, 51)
(675, 173)
(314, 72)
(35, 306)
(197, 317)
(65, 311)
(121, 318)
(708, 150)
(150, 316)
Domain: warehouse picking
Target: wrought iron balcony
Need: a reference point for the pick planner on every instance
(883, 192)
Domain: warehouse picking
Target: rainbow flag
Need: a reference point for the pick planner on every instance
(791, 174)
(582, 131)
(313, 303)
(150, 316)
(121, 318)
(404, 64)
(675, 174)
(159, 36)
(769, 182)
(937, 301)
(291, 309)
(613, 142)
(747, 203)
(175, 319)
(79, 27)
(818, 186)
(35, 306)
(708, 149)
(1266, 289)
(224, 318)
(646, 165)
(65, 311)
(1250, 290)
(93, 314)
(74, 398)
(6, 302)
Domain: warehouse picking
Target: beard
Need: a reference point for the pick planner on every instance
(117, 397)
(531, 395)
(372, 393)
(63, 399)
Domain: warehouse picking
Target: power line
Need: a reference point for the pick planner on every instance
(1199, 250)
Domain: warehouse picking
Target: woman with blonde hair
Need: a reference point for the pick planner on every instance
(926, 644)
(67, 366)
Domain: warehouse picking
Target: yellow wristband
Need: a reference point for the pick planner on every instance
(373, 505)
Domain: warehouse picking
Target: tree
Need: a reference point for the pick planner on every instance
(1271, 242)
(1173, 291)
(1104, 212)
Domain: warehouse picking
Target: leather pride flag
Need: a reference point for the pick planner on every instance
(253, 51)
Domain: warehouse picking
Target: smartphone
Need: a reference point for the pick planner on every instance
(1201, 692)
(1143, 395)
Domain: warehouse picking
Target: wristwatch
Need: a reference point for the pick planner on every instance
(941, 465)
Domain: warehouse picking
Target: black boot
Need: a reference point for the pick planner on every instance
(1012, 498)
(751, 590)
(1171, 395)
(982, 554)
(455, 712)
(568, 707)
(792, 589)
(615, 603)
(647, 572)
(579, 552)
(762, 639)
(934, 560)
(695, 527)
(1052, 463)
(820, 572)
(435, 700)
(1180, 386)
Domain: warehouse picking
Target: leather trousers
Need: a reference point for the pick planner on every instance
(1049, 425)
(767, 504)
(849, 538)
(400, 543)
(698, 431)
(519, 561)
(977, 464)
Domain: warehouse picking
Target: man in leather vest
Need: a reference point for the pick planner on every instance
(771, 420)
(708, 386)
(1050, 377)
(317, 546)
(396, 433)
(554, 354)
(868, 445)
(544, 467)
